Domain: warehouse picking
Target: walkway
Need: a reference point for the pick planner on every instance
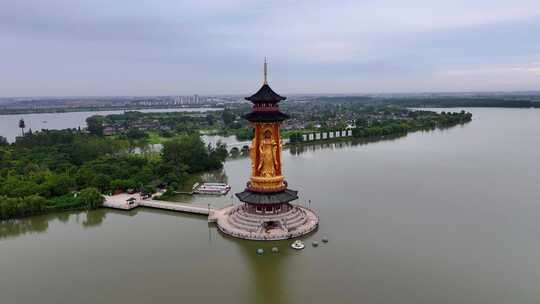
(122, 201)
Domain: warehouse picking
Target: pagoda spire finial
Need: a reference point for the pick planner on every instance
(265, 71)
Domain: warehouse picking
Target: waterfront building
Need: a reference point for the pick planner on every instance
(266, 211)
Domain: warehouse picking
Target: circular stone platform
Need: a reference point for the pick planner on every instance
(236, 221)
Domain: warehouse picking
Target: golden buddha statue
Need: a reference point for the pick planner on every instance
(268, 149)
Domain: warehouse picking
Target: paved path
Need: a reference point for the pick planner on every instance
(120, 201)
(190, 208)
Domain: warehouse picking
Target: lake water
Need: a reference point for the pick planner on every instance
(9, 124)
(448, 216)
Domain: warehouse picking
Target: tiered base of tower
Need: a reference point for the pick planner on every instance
(239, 221)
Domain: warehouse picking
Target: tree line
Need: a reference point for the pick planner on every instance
(70, 169)
(414, 121)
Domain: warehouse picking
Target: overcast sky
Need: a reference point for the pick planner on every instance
(169, 47)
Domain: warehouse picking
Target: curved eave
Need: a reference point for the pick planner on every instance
(265, 95)
(265, 116)
(281, 197)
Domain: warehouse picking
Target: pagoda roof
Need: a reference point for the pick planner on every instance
(265, 95)
(255, 116)
(252, 197)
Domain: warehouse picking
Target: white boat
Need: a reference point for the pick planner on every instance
(222, 185)
(211, 188)
(298, 245)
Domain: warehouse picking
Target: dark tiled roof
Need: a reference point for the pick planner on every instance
(265, 95)
(265, 116)
(284, 196)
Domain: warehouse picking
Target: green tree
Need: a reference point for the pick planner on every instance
(17, 186)
(361, 122)
(244, 134)
(57, 185)
(210, 120)
(101, 182)
(228, 117)
(95, 125)
(296, 137)
(218, 154)
(341, 125)
(90, 198)
(22, 125)
(189, 150)
(137, 139)
(134, 134)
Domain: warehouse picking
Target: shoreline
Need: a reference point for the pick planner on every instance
(99, 109)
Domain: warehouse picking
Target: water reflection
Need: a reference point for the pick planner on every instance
(94, 218)
(40, 223)
(14, 228)
(267, 277)
(216, 176)
(297, 149)
(331, 145)
(319, 145)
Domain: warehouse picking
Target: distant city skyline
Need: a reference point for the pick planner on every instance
(213, 47)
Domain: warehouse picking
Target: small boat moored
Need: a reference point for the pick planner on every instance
(298, 245)
(211, 188)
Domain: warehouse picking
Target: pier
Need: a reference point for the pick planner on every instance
(128, 202)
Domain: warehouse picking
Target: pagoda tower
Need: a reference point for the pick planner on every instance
(267, 212)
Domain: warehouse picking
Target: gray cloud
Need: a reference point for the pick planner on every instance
(98, 47)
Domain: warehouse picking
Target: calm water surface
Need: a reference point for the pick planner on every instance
(447, 216)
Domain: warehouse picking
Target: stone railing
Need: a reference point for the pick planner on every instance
(315, 136)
